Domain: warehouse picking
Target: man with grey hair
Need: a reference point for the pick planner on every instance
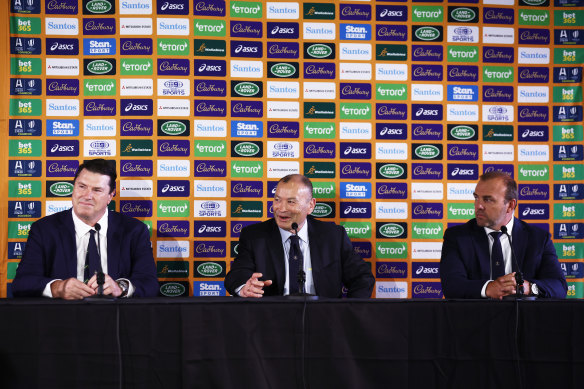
(267, 263)
(477, 257)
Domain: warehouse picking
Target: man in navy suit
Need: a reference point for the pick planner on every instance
(262, 266)
(55, 260)
(470, 252)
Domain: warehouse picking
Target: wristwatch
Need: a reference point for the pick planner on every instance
(124, 286)
(534, 290)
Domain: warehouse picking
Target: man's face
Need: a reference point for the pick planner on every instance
(91, 196)
(292, 203)
(491, 209)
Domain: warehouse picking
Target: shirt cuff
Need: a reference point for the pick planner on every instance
(131, 288)
(47, 291)
(238, 289)
(484, 290)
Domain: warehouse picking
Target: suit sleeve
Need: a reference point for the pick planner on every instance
(243, 266)
(143, 272)
(357, 276)
(453, 273)
(31, 277)
(549, 276)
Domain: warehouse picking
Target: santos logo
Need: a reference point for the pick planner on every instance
(319, 31)
(174, 168)
(393, 72)
(247, 69)
(284, 90)
(62, 107)
(393, 210)
(61, 26)
(385, 151)
(172, 26)
(172, 249)
(533, 153)
(211, 128)
(207, 188)
(460, 191)
(99, 127)
(391, 289)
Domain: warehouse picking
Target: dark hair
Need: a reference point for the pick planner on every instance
(297, 177)
(508, 181)
(101, 166)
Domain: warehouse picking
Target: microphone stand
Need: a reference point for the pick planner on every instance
(519, 293)
(301, 276)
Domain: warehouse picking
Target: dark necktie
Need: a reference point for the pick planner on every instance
(92, 261)
(294, 260)
(497, 260)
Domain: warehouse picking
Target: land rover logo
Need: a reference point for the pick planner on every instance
(172, 289)
(462, 132)
(61, 189)
(427, 33)
(391, 170)
(463, 14)
(99, 67)
(98, 6)
(283, 70)
(391, 230)
(322, 210)
(173, 128)
(427, 151)
(209, 269)
(246, 89)
(319, 50)
(533, 2)
(247, 149)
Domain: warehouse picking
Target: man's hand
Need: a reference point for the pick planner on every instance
(71, 289)
(502, 286)
(110, 286)
(253, 286)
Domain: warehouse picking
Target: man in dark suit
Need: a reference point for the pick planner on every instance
(64, 253)
(262, 266)
(477, 258)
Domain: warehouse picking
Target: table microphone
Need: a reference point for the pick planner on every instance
(518, 273)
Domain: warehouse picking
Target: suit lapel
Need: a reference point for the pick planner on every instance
(315, 255)
(113, 245)
(519, 241)
(481, 246)
(276, 251)
(69, 243)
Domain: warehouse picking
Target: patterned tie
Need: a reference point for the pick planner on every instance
(92, 261)
(294, 260)
(497, 260)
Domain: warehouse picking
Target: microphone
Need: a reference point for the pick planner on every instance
(100, 275)
(301, 274)
(518, 274)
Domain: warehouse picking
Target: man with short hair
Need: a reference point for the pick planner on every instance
(66, 251)
(477, 258)
(267, 251)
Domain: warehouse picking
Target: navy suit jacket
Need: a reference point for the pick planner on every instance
(465, 263)
(334, 263)
(51, 253)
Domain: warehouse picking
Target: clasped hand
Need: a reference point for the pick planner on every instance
(73, 289)
(505, 286)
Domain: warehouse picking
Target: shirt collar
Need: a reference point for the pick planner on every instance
(509, 227)
(81, 228)
(302, 233)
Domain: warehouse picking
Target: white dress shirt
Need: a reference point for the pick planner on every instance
(305, 248)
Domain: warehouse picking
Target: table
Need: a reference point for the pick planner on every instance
(278, 342)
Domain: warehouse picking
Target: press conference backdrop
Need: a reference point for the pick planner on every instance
(392, 108)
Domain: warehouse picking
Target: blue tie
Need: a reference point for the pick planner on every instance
(92, 260)
(497, 260)
(294, 260)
